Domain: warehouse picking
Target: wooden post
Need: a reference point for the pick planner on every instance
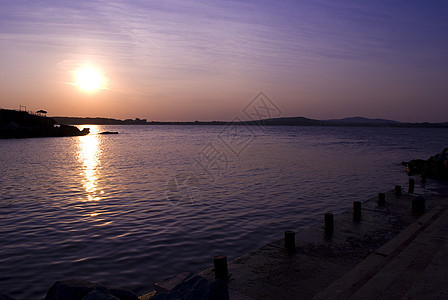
(356, 211)
(329, 223)
(220, 263)
(290, 240)
(381, 199)
(397, 190)
(411, 185)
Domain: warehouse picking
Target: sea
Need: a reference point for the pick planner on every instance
(133, 208)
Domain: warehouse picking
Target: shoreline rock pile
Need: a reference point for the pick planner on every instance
(75, 289)
(189, 286)
(434, 167)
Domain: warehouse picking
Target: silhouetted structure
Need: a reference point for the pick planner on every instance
(41, 112)
(21, 124)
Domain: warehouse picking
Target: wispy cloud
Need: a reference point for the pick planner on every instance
(173, 42)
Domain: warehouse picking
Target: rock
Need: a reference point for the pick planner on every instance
(147, 296)
(415, 166)
(122, 294)
(436, 166)
(75, 289)
(100, 294)
(71, 289)
(168, 284)
(196, 287)
(20, 124)
(5, 297)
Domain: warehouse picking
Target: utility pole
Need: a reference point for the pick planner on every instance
(20, 108)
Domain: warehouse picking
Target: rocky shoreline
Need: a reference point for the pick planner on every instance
(434, 167)
(21, 124)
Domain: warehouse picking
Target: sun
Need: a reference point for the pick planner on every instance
(89, 79)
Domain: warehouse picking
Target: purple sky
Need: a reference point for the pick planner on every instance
(206, 60)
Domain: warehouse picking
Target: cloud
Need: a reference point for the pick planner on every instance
(177, 45)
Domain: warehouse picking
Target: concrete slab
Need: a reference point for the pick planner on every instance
(319, 260)
(391, 252)
(405, 260)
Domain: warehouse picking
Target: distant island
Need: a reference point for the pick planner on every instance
(286, 121)
(22, 124)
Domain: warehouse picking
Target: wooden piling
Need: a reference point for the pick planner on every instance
(329, 223)
(220, 264)
(356, 211)
(411, 186)
(381, 199)
(290, 240)
(397, 190)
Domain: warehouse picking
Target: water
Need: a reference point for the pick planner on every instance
(106, 208)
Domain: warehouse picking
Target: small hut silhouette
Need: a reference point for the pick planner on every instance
(41, 113)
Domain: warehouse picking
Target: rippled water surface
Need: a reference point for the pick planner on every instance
(133, 208)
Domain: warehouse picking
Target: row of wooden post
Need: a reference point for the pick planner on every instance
(418, 207)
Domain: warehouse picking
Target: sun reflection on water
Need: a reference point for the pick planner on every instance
(89, 154)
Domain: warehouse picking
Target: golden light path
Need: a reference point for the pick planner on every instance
(89, 153)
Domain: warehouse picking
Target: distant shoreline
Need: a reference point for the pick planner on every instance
(293, 121)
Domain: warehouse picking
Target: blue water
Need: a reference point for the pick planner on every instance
(133, 208)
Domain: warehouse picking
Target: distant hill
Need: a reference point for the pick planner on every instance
(285, 121)
(351, 121)
(292, 121)
(361, 120)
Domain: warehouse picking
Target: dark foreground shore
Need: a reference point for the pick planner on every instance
(390, 253)
(395, 248)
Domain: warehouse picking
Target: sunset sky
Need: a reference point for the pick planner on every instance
(206, 60)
